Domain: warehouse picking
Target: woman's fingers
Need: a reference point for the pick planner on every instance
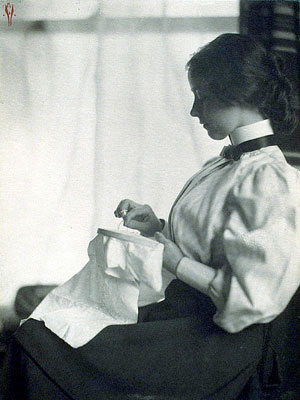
(143, 227)
(161, 238)
(139, 218)
(139, 213)
(124, 207)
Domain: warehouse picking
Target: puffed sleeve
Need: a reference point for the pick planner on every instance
(261, 245)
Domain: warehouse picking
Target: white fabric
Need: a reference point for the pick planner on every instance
(121, 275)
(242, 219)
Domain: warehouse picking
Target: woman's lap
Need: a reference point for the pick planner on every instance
(185, 354)
(179, 355)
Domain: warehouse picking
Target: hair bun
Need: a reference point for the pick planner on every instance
(281, 94)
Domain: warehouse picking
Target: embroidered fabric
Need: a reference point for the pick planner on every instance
(124, 272)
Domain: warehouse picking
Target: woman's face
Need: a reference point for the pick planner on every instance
(218, 119)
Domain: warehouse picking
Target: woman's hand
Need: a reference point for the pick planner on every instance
(172, 253)
(138, 216)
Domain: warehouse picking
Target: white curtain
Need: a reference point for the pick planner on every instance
(47, 124)
(89, 118)
(147, 143)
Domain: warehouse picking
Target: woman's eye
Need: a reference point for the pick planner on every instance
(201, 99)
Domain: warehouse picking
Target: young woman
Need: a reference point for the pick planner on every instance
(233, 229)
(232, 240)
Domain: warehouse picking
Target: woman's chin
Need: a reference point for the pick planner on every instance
(213, 134)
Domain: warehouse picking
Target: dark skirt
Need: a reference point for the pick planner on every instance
(175, 351)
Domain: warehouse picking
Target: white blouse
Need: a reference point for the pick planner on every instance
(238, 223)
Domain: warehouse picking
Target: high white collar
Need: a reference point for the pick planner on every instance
(252, 131)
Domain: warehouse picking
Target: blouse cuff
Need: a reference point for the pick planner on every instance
(195, 274)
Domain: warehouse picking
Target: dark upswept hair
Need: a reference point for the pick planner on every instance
(241, 70)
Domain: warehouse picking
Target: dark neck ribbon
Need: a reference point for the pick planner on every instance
(234, 152)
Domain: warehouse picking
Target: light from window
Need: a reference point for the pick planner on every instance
(169, 8)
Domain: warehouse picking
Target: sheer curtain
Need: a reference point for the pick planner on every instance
(92, 112)
(147, 143)
(47, 124)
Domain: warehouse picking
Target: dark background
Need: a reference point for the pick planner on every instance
(277, 24)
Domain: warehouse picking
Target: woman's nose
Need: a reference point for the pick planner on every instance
(194, 111)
